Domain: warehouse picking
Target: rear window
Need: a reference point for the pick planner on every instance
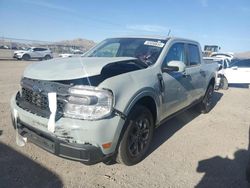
(194, 55)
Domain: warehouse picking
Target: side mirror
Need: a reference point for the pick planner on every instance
(177, 66)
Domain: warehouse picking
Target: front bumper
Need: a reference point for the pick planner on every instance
(74, 132)
(84, 153)
(18, 56)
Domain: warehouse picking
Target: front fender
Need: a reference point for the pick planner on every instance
(130, 87)
(143, 92)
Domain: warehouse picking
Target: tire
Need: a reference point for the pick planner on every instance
(224, 83)
(137, 136)
(47, 57)
(26, 57)
(206, 104)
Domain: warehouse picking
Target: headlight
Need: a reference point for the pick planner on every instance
(87, 102)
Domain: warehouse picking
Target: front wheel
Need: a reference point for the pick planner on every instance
(206, 104)
(137, 137)
(26, 57)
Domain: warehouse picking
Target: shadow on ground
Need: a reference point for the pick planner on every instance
(225, 172)
(17, 170)
(244, 86)
(169, 128)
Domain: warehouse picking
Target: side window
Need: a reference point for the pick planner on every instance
(109, 50)
(35, 49)
(175, 53)
(194, 55)
(243, 64)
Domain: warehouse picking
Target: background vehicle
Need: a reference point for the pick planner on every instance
(223, 63)
(105, 105)
(74, 54)
(33, 53)
(227, 55)
(209, 49)
(237, 73)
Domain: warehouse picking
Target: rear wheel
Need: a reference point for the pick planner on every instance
(26, 57)
(206, 104)
(224, 83)
(47, 57)
(137, 137)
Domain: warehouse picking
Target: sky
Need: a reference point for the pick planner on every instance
(221, 22)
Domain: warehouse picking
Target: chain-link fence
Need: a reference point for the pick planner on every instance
(9, 45)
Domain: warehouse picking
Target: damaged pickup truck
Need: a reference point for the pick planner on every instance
(104, 106)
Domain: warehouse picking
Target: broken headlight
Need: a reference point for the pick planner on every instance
(87, 102)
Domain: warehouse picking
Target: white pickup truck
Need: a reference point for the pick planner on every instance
(104, 106)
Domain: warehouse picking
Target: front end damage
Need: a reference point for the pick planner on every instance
(84, 140)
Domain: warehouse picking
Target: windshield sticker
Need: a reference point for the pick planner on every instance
(154, 43)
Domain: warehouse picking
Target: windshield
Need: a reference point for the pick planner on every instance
(145, 49)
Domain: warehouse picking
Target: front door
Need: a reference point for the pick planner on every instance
(176, 85)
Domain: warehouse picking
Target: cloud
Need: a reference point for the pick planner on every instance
(147, 28)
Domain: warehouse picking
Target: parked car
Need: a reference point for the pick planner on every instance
(228, 55)
(238, 72)
(105, 105)
(74, 54)
(4, 47)
(33, 53)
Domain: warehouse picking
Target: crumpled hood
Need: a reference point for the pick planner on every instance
(69, 68)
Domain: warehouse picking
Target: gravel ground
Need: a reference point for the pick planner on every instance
(190, 150)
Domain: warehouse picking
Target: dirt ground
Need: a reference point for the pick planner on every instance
(190, 150)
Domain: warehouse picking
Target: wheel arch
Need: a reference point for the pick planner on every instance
(148, 99)
(212, 81)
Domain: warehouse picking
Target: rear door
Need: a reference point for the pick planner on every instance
(196, 72)
(35, 53)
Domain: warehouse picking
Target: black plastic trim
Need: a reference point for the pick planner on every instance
(85, 153)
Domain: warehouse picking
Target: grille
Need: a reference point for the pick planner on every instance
(37, 103)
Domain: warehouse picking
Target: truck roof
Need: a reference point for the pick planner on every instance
(156, 37)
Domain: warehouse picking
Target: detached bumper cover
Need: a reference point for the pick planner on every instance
(85, 153)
